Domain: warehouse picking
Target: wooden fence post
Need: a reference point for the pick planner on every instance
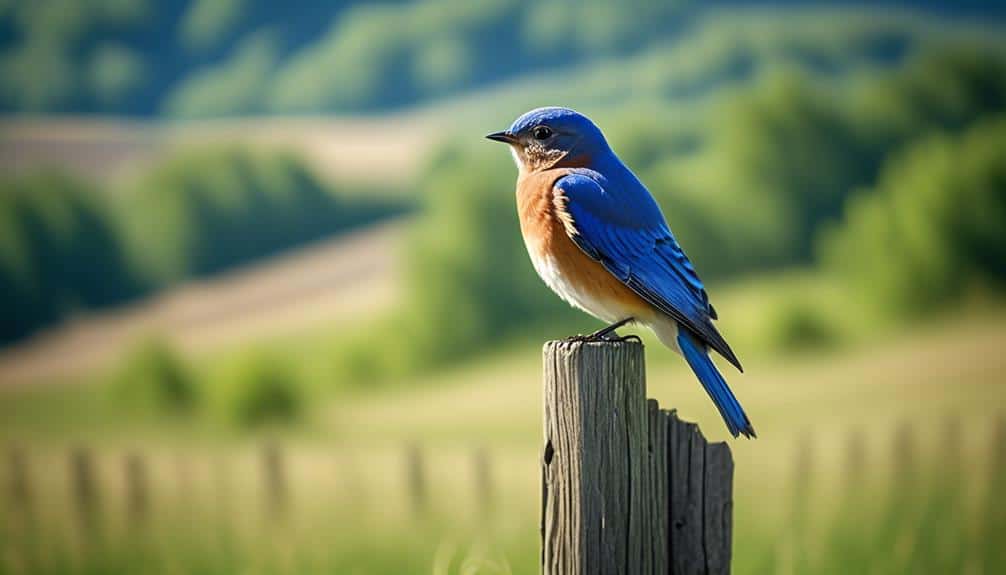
(19, 492)
(626, 487)
(415, 477)
(134, 468)
(84, 485)
(274, 475)
(855, 464)
(483, 482)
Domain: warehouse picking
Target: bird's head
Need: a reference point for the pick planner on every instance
(552, 137)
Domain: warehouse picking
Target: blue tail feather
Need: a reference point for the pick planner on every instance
(698, 359)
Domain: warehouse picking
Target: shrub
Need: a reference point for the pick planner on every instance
(256, 390)
(798, 326)
(154, 376)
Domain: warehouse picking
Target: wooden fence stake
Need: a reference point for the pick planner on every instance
(416, 478)
(626, 487)
(19, 492)
(855, 464)
(483, 482)
(84, 485)
(137, 491)
(274, 473)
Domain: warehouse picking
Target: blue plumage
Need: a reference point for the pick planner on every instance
(622, 227)
(731, 410)
(612, 218)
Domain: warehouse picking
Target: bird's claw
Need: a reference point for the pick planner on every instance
(610, 337)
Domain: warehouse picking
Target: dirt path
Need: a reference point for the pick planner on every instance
(332, 281)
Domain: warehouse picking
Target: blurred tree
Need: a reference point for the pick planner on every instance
(153, 376)
(944, 88)
(207, 209)
(62, 249)
(234, 86)
(932, 230)
(115, 73)
(258, 389)
(326, 55)
(208, 22)
(59, 252)
(790, 151)
(346, 68)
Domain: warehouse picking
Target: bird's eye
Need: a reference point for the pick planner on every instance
(542, 133)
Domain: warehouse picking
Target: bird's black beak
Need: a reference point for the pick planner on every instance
(504, 136)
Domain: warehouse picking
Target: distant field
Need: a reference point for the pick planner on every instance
(385, 150)
(324, 284)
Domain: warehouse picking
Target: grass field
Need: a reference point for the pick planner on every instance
(913, 412)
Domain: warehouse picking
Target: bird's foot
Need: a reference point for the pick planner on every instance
(606, 334)
(609, 337)
(625, 338)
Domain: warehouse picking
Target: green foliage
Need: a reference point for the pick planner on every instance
(431, 47)
(799, 325)
(45, 78)
(59, 252)
(153, 376)
(63, 249)
(790, 151)
(257, 389)
(46, 68)
(235, 86)
(945, 88)
(356, 69)
(932, 230)
(202, 58)
(206, 22)
(115, 73)
(207, 209)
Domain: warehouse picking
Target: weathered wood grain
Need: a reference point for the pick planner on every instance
(659, 492)
(594, 456)
(687, 483)
(626, 487)
(719, 505)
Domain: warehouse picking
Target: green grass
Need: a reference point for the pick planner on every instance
(350, 509)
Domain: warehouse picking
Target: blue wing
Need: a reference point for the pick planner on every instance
(625, 231)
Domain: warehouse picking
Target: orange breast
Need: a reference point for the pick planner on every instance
(543, 223)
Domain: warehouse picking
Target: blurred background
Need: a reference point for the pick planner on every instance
(266, 308)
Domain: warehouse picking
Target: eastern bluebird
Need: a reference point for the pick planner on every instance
(599, 240)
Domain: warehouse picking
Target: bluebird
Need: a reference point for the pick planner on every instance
(598, 239)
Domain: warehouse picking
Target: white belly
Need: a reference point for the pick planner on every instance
(606, 310)
(551, 274)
